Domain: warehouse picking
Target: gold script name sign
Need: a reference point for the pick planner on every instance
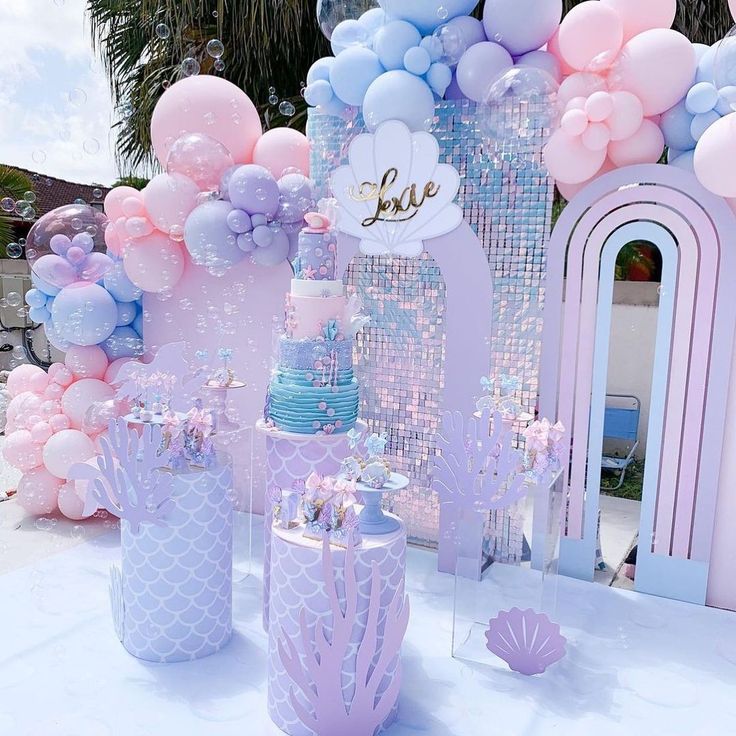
(391, 208)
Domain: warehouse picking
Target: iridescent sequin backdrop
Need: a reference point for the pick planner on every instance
(507, 197)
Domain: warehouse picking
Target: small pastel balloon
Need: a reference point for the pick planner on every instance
(702, 122)
(59, 423)
(398, 95)
(53, 391)
(428, 14)
(439, 78)
(75, 255)
(87, 361)
(574, 122)
(417, 60)
(644, 147)
(596, 137)
(40, 432)
(353, 72)
(84, 241)
(200, 158)
(125, 342)
(349, 33)
(569, 161)
(38, 383)
(599, 106)
(62, 376)
(320, 70)
(21, 406)
(262, 236)
(70, 503)
(38, 491)
(471, 30)
(685, 161)
(657, 66)
(276, 253)
(638, 16)
(391, 43)
(170, 198)
(60, 244)
(121, 288)
(580, 84)
(210, 105)
(318, 93)
(21, 451)
(133, 206)
(127, 312)
(154, 264)
(590, 36)
(21, 378)
(55, 270)
(138, 227)
(64, 449)
(282, 149)
(675, 125)
(114, 201)
(479, 67)
(701, 98)
(94, 266)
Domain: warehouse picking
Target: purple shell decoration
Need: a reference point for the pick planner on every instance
(526, 640)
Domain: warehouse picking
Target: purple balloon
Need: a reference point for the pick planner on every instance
(544, 61)
(521, 26)
(479, 67)
(275, 253)
(94, 266)
(471, 29)
(208, 237)
(253, 189)
(55, 270)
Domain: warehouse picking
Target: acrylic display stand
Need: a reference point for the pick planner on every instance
(485, 587)
(300, 597)
(219, 396)
(172, 598)
(290, 459)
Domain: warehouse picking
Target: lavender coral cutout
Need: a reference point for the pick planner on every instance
(526, 640)
(475, 470)
(117, 602)
(129, 480)
(318, 697)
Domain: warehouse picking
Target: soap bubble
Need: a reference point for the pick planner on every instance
(273, 99)
(97, 193)
(7, 204)
(190, 67)
(14, 299)
(77, 97)
(29, 196)
(330, 13)
(219, 65)
(215, 48)
(19, 352)
(38, 156)
(162, 31)
(14, 250)
(287, 109)
(91, 146)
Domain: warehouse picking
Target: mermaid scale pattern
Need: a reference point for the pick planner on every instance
(290, 460)
(177, 578)
(297, 583)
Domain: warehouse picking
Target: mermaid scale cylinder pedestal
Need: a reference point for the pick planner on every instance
(290, 458)
(172, 600)
(299, 588)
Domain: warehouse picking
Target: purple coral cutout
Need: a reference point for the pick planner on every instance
(526, 640)
(129, 481)
(317, 697)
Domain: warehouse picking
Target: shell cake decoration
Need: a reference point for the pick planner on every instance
(395, 194)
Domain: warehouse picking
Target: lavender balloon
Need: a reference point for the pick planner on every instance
(521, 26)
(253, 189)
(209, 239)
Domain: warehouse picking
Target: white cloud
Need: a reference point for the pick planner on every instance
(47, 54)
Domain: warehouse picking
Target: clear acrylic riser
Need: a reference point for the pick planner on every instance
(484, 587)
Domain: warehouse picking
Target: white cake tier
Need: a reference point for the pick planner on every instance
(308, 287)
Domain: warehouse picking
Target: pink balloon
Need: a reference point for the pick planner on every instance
(112, 371)
(569, 161)
(22, 406)
(200, 158)
(580, 84)
(112, 240)
(599, 106)
(41, 432)
(210, 105)
(81, 395)
(626, 117)
(114, 201)
(596, 137)
(644, 147)
(643, 15)
(59, 422)
(20, 379)
(70, 502)
(590, 36)
(570, 191)
(62, 375)
(138, 227)
(574, 122)
(280, 149)
(553, 46)
(21, 451)
(169, 199)
(87, 361)
(38, 383)
(154, 263)
(66, 448)
(38, 491)
(714, 157)
(658, 66)
(133, 206)
(732, 8)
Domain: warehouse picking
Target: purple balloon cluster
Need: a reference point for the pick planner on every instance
(257, 216)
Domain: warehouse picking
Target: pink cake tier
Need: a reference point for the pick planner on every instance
(307, 315)
(290, 458)
(298, 584)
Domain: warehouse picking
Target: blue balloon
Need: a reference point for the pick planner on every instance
(208, 238)
(116, 281)
(439, 78)
(138, 324)
(426, 15)
(318, 93)
(685, 162)
(123, 343)
(84, 314)
(127, 312)
(36, 298)
(398, 95)
(393, 40)
(54, 338)
(705, 71)
(39, 315)
(726, 100)
(675, 125)
(349, 33)
(701, 98)
(44, 286)
(701, 123)
(417, 60)
(320, 70)
(353, 72)
(372, 20)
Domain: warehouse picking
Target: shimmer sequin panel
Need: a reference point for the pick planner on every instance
(506, 195)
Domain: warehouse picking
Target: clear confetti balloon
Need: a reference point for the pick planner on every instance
(201, 158)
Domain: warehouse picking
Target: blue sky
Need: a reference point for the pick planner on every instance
(55, 108)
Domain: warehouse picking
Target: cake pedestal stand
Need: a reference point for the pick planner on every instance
(372, 518)
(219, 406)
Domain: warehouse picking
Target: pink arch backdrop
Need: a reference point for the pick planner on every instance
(683, 510)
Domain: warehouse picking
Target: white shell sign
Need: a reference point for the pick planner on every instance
(395, 194)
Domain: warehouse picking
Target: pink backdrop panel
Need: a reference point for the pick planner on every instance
(234, 311)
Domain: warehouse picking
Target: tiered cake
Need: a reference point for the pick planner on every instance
(313, 389)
